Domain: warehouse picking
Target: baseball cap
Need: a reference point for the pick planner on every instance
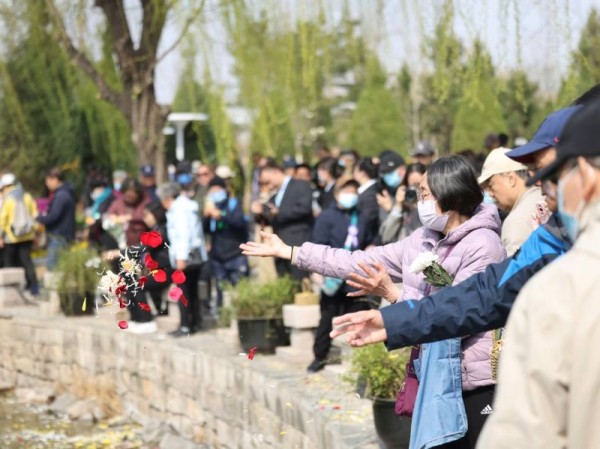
(497, 162)
(216, 181)
(580, 137)
(147, 170)
(546, 136)
(423, 148)
(224, 172)
(7, 179)
(389, 161)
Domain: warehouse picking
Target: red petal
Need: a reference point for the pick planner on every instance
(252, 352)
(160, 276)
(152, 239)
(150, 262)
(123, 324)
(175, 293)
(178, 277)
(145, 307)
(142, 281)
(184, 301)
(122, 304)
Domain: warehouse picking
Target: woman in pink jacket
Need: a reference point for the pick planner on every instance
(451, 404)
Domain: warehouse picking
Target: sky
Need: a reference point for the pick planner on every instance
(534, 35)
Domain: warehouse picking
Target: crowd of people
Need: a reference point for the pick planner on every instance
(545, 197)
(355, 225)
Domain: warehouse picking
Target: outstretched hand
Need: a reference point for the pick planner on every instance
(271, 246)
(377, 282)
(361, 328)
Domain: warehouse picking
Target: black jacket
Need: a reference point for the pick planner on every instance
(228, 233)
(369, 214)
(60, 219)
(294, 220)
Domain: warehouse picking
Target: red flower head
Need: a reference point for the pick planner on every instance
(123, 324)
(252, 353)
(160, 276)
(150, 263)
(175, 293)
(152, 239)
(145, 307)
(178, 277)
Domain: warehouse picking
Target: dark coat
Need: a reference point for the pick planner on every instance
(294, 220)
(60, 219)
(229, 232)
(369, 214)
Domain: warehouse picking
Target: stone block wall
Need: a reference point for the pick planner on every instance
(200, 385)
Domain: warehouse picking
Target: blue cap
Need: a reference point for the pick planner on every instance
(147, 170)
(546, 136)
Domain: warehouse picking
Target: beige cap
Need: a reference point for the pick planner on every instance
(497, 162)
(224, 172)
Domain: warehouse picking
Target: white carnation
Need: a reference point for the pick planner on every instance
(108, 283)
(423, 261)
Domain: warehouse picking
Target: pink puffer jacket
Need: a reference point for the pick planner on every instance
(466, 250)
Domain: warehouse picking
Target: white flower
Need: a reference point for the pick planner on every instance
(423, 261)
(94, 262)
(130, 266)
(108, 283)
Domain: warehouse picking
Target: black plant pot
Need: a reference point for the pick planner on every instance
(264, 334)
(393, 430)
(71, 304)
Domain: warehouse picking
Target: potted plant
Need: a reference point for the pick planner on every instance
(78, 276)
(381, 373)
(258, 309)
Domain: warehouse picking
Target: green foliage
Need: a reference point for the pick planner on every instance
(78, 270)
(252, 300)
(377, 123)
(381, 371)
(520, 104)
(479, 110)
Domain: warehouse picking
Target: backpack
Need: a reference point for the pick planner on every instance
(23, 223)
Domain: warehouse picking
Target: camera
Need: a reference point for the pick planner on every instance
(411, 196)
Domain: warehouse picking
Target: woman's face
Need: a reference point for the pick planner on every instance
(426, 195)
(149, 219)
(130, 197)
(414, 179)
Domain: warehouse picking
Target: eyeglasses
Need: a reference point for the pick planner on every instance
(200, 175)
(422, 196)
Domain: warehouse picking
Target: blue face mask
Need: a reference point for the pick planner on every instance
(487, 198)
(218, 196)
(348, 200)
(392, 179)
(570, 221)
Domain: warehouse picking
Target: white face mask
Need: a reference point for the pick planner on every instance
(429, 217)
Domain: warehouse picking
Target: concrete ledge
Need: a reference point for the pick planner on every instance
(301, 317)
(200, 385)
(12, 276)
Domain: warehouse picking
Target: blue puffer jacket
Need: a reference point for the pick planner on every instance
(479, 303)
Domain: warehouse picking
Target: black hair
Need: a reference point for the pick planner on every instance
(159, 212)
(135, 185)
(367, 166)
(330, 165)
(348, 183)
(56, 173)
(475, 159)
(306, 166)
(503, 139)
(416, 167)
(453, 183)
(271, 165)
(99, 182)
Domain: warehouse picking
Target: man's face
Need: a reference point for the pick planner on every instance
(303, 174)
(542, 159)
(204, 175)
(52, 183)
(271, 180)
(148, 181)
(501, 188)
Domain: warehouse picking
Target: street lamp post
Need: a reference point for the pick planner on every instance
(180, 121)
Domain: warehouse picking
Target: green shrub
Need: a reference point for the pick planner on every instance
(381, 371)
(78, 271)
(250, 299)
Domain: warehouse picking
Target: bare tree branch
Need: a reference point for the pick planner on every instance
(192, 17)
(82, 61)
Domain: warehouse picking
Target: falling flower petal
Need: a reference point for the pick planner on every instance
(152, 239)
(175, 293)
(142, 281)
(150, 262)
(183, 301)
(122, 304)
(160, 276)
(252, 353)
(123, 324)
(178, 277)
(84, 305)
(145, 307)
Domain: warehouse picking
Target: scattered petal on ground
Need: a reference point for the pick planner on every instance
(252, 353)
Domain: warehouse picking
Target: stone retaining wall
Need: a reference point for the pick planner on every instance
(199, 385)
